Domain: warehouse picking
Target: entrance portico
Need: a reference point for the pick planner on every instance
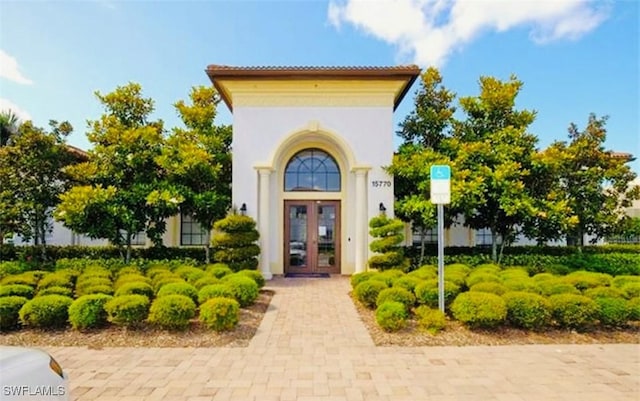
(309, 150)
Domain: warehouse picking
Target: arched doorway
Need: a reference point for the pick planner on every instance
(312, 222)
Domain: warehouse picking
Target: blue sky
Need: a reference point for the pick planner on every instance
(574, 57)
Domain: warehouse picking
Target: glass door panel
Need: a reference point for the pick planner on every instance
(326, 243)
(297, 246)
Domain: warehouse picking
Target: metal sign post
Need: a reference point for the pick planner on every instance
(440, 195)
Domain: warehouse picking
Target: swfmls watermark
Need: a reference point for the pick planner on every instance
(33, 391)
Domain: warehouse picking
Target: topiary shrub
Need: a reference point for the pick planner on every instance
(234, 242)
(583, 280)
(127, 310)
(135, 287)
(427, 293)
(490, 287)
(172, 311)
(220, 314)
(360, 277)
(479, 309)
(556, 287)
(55, 290)
(634, 309)
(613, 312)
(57, 279)
(84, 284)
(88, 311)
(244, 289)
(513, 273)
(254, 275)
(47, 311)
(388, 276)
(130, 278)
(367, 292)
(396, 294)
(189, 273)
(219, 270)
(457, 273)
(527, 310)
(481, 277)
(409, 283)
(604, 292)
(10, 311)
(522, 284)
(219, 290)
(18, 290)
(161, 281)
(206, 280)
(631, 290)
(430, 319)
(425, 272)
(573, 311)
(183, 288)
(388, 237)
(391, 316)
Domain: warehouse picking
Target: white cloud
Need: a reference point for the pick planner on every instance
(6, 105)
(9, 69)
(431, 30)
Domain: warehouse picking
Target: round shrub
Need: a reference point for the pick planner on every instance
(479, 309)
(556, 287)
(613, 312)
(220, 314)
(127, 270)
(513, 273)
(219, 270)
(634, 309)
(135, 287)
(179, 288)
(604, 292)
(97, 289)
(490, 287)
(127, 310)
(527, 310)
(55, 290)
(172, 311)
(164, 280)
(425, 272)
(358, 278)
(26, 278)
(583, 280)
(9, 311)
(457, 268)
(83, 285)
(130, 278)
(95, 271)
(407, 282)
(88, 311)
(155, 271)
(219, 290)
(18, 290)
(189, 273)
(522, 284)
(47, 311)
(487, 268)
(391, 316)
(254, 275)
(620, 281)
(481, 277)
(427, 292)
(388, 276)
(542, 277)
(244, 290)
(206, 280)
(573, 311)
(631, 290)
(57, 279)
(396, 294)
(430, 319)
(367, 292)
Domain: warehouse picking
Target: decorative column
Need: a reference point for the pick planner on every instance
(361, 233)
(263, 221)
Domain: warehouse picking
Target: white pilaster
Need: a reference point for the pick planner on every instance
(361, 233)
(263, 221)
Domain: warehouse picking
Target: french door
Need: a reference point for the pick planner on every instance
(312, 236)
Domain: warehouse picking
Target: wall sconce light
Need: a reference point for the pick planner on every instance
(243, 209)
(382, 208)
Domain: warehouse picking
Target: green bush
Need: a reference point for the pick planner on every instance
(9, 311)
(244, 290)
(457, 273)
(391, 316)
(527, 310)
(479, 309)
(219, 290)
(219, 270)
(128, 270)
(159, 270)
(131, 278)
(57, 279)
(544, 277)
(96, 289)
(526, 284)
(634, 309)
(206, 280)
(481, 277)
(387, 234)
(430, 319)
(172, 311)
(556, 287)
(103, 283)
(47, 311)
(127, 310)
(254, 275)
(189, 273)
(9, 268)
(604, 292)
(631, 290)
(490, 287)
(620, 281)
(358, 278)
(573, 311)
(583, 280)
(613, 312)
(388, 276)
(135, 287)
(513, 273)
(234, 242)
(407, 282)
(425, 272)
(183, 288)
(161, 281)
(55, 290)
(30, 278)
(88, 311)
(427, 292)
(220, 314)
(95, 271)
(367, 292)
(18, 290)
(396, 294)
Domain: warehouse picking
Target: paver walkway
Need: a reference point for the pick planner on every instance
(311, 345)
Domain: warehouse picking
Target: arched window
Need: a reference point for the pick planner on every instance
(312, 170)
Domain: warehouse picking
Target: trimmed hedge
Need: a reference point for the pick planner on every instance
(172, 311)
(47, 311)
(573, 311)
(367, 292)
(10, 311)
(397, 294)
(219, 290)
(183, 288)
(135, 287)
(19, 290)
(244, 289)
(479, 309)
(88, 311)
(220, 314)
(427, 293)
(127, 310)
(430, 319)
(391, 316)
(527, 310)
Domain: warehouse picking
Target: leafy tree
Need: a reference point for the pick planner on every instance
(125, 190)
(596, 181)
(198, 160)
(9, 125)
(32, 177)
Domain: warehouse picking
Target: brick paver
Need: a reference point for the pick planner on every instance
(312, 345)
